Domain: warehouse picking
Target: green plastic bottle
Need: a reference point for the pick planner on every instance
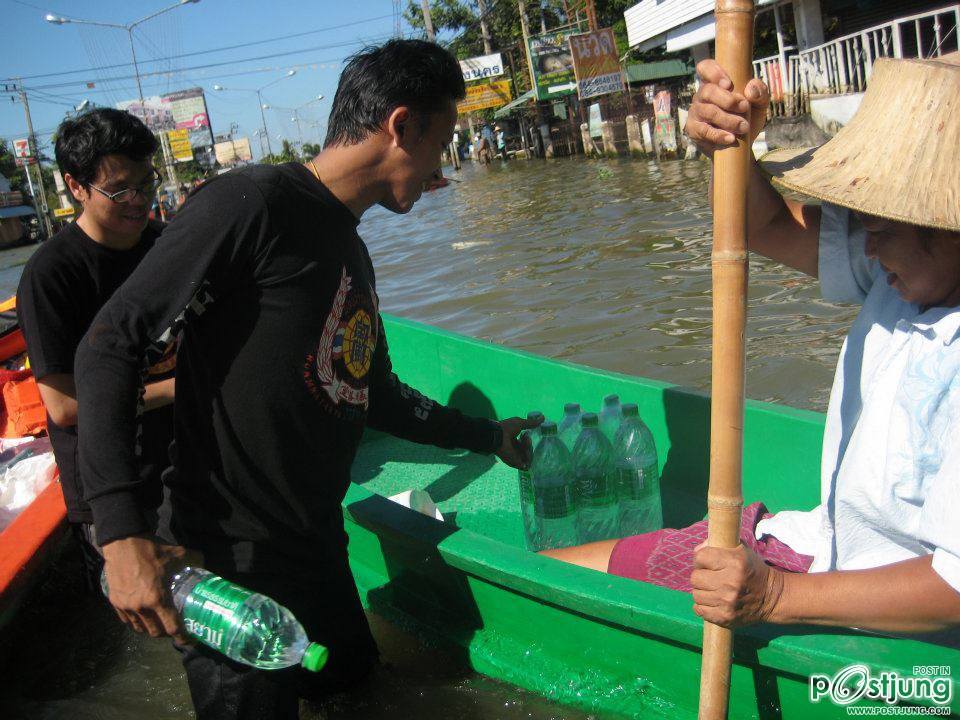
(554, 492)
(526, 487)
(245, 626)
(610, 416)
(638, 477)
(592, 462)
(569, 427)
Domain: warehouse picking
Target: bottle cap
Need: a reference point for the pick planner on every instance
(571, 408)
(548, 428)
(534, 415)
(315, 657)
(589, 420)
(631, 410)
(611, 400)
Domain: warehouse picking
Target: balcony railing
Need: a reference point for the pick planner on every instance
(844, 65)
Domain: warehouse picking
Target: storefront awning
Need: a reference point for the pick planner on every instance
(16, 211)
(515, 104)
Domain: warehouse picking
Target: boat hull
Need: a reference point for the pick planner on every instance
(580, 637)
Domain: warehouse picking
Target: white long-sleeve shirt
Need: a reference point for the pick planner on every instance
(890, 473)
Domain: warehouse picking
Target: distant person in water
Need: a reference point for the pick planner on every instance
(283, 364)
(882, 550)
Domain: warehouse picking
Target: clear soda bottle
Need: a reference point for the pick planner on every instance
(637, 475)
(526, 487)
(569, 427)
(245, 626)
(554, 491)
(610, 415)
(592, 463)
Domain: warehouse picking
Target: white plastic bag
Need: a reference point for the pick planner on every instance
(22, 483)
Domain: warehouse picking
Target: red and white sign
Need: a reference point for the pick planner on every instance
(21, 148)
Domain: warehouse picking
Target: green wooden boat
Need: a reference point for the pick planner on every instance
(580, 637)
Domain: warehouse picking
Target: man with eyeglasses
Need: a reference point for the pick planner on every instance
(106, 159)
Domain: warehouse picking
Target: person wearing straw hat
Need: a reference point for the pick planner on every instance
(882, 550)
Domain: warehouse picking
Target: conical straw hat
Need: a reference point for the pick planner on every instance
(899, 157)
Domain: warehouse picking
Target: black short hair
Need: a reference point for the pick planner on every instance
(415, 73)
(86, 139)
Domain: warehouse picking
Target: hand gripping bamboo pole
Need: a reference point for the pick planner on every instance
(731, 168)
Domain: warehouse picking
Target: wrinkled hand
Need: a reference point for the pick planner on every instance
(734, 587)
(717, 114)
(514, 452)
(137, 571)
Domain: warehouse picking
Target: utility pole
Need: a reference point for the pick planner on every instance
(32, 140)
(427, 21)
(484, 27)
(525, 29)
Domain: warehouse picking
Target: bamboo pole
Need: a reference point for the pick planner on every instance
(731, 168)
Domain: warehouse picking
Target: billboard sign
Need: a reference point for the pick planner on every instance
(182, 110)
(485, 95)
(482, 67)
(596, 63)
(552, 65)
(180, 145)
(231, 152)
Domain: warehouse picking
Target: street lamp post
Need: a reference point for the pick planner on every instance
(60, 20)
(296, 114)
(128, 28)
(263, 118)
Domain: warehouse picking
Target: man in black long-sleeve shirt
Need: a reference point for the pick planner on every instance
(282, 362)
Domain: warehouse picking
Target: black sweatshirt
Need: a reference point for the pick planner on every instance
(63, 286)
(282, 362)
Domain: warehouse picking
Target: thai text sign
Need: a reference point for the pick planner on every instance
(552, 65)
(487, 95)
(596, 63)
(484, 66)
(180, 145)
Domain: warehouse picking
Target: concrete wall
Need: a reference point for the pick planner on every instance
(832, 113)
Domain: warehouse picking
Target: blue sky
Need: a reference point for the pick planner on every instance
(31, 46)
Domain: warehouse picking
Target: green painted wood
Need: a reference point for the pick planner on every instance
(584, 638)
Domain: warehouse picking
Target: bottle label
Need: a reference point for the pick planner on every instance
(211, 609)
(594, 489)
(553, 501)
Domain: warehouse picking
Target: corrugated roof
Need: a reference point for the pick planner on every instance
(644, 72)
(511, 106)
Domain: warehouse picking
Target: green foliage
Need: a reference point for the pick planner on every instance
(311, 150)
(288, 153)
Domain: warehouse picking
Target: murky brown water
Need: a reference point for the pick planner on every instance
(605, 263)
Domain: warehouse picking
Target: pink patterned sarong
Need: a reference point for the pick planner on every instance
(665, 557)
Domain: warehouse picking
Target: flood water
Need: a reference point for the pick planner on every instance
(605, 263)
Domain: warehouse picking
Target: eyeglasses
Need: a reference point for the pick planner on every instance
(147, 189)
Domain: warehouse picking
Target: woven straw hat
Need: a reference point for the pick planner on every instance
(899, 157)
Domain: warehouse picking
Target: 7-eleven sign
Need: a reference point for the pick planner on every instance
(21, 148)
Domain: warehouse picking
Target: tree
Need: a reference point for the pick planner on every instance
(10, 170)
(311, 150)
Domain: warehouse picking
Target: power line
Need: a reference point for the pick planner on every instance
(206, 52)
(219, 64)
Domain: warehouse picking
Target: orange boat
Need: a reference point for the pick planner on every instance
(30, 543)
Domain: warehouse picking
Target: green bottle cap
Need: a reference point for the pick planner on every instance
(571, 408)
(631, 410)
(589, 420)
(611, 400)
(315, 657)
(548, 428)
(534, 415)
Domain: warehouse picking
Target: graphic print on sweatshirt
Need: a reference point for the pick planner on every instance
(337, 372)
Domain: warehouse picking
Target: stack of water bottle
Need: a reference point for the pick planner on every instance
(593, 477)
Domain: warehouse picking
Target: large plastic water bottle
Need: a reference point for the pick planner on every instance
(592, 463)
(554, 491)
(569, 427)
(610, 416)
(526, 487)
(245, 626)
(637, 475)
